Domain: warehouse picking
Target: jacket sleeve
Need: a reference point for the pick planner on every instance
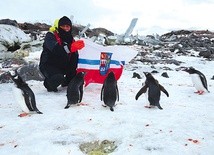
(52, 45)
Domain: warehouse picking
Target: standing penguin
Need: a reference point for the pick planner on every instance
(198, 79)
(154, 90)
(109, 91)
(75, 90)
(23, 93)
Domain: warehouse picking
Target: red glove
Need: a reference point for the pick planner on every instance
(77, 45)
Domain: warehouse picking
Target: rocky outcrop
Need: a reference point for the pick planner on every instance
(12, 37)
(186, 41)
(97, 31)
(9, 22)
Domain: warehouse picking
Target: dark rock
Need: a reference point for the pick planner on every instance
(34, 27)
(30, 72)
(5, 78)
(9, 63)
(205, 54)
(9, 22)
(166, 68)
(97, 31)
(15, 47)
(154, 71)
(136, 75)
(27, 72)
(154, 61)
(164, 74)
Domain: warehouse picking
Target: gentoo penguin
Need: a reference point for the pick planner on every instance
(109, 91)
(75, 90)
(154, 90)
(198, 79)
(23, 94)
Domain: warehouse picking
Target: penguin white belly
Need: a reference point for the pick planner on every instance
(20, 99)
(197, 82)
(147, 99)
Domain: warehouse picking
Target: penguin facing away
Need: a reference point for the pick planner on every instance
(75, 90)
(198, 79)
(154, 90)
(109, 91)
(23, 94)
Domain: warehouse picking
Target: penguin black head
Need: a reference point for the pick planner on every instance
(111, 75)
(81, 74)
(136, 75)
(13, 74)
(16, 78)
(148, 75)
(190, 70)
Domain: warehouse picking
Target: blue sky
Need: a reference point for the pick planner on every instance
(115, 15)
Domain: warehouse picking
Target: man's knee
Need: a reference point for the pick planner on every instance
(53, 82)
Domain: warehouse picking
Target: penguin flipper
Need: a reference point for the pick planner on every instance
(27, 101)
(33, 101)
(141, 91)
(204, 81)
(158, 105)
(163, 90)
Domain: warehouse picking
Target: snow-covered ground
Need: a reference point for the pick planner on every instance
(183, 127)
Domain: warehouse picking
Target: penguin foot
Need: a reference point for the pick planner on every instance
(111, 108)
(23, 114)
(67, 106)
(82, 104)
(104, 105)
(159, 107)
(147, 106)
(199, 92)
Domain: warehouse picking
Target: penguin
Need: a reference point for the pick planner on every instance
(198, 79)
(75, 90)
(23, 94)
(109, 91)
(154, 90)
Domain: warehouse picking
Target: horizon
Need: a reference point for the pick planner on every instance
(116, 16)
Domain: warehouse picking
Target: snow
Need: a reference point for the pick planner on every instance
(136, 130)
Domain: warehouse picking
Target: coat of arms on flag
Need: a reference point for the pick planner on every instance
(105, 59)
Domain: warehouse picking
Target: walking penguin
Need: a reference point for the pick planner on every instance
(75, 90)
(154, 90)
(198, 79)
(23, 94)
(109, 91)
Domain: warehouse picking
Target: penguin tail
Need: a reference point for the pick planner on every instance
(67, 106)
(38, 112)
(69, 103)
(111, 108)
(159, 107)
